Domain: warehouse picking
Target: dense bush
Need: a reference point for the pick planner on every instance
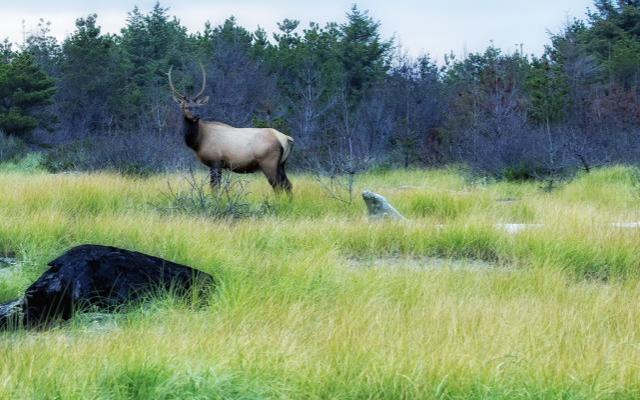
(11, 148)
(139, 154)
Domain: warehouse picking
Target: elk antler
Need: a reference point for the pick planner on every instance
(173, 89)
(204, 82)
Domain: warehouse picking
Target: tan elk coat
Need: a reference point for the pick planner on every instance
(243, 150)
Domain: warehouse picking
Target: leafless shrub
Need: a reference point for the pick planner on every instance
(337, 175)
(228, 201)
(138, 153)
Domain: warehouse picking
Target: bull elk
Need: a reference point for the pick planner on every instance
(242, 150)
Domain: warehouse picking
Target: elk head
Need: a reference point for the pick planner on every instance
(190, 105)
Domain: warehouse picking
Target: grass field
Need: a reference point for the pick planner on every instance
(317, 302)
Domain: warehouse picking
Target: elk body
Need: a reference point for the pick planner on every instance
(242, 150)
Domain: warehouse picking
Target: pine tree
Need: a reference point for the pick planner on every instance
(6, 51)
(92, 75)
(365, 57)
(151, 44)
(44, 48)
(25, 91)
(548, 91)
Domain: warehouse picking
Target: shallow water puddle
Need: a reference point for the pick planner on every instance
(97, 322)
(423, 263)
(6, 262)
(8, 266)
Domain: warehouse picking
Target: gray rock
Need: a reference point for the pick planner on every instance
(379, 207)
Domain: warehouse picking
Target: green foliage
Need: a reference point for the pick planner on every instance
(490, 70)
(44, 48)
(207, 41)
(364, 56)
(611, 35)
(521, 172)
(91, 75)
(30, 163)
(11, 148)
(67, 157)
(485, 90)
(610, 22)
(306, 63)
(322, 63)
(151, 43)
(548, 91)
(228, 201)
(623, 62)
(6, 51)
(231, 32)
(24, 91)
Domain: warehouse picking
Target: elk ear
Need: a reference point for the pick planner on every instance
(203, 100)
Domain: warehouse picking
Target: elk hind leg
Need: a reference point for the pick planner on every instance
(283, 182)
(271, 170)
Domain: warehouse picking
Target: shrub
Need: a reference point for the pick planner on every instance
(66, 157)
(130, 154)
(11, 148)
(229, 200)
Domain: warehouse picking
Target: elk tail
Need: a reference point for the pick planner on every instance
(286, 142)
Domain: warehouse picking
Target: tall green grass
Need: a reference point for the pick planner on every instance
(554, 315)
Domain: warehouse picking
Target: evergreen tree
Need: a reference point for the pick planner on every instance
(231, 32)
(25, 91)
(44, 48)
(6, 51)
(623, 62)
(151, 44)
(614, 38)
(365, 56)
(92, 80)
(548, 91)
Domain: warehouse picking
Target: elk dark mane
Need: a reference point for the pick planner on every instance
(190, 133)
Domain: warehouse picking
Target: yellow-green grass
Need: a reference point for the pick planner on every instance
(303, 311)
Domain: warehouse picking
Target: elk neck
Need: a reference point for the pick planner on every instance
(191, 132)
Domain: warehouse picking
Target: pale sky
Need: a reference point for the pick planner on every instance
(429, 26)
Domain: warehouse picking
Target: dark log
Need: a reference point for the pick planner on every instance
(98, 277)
